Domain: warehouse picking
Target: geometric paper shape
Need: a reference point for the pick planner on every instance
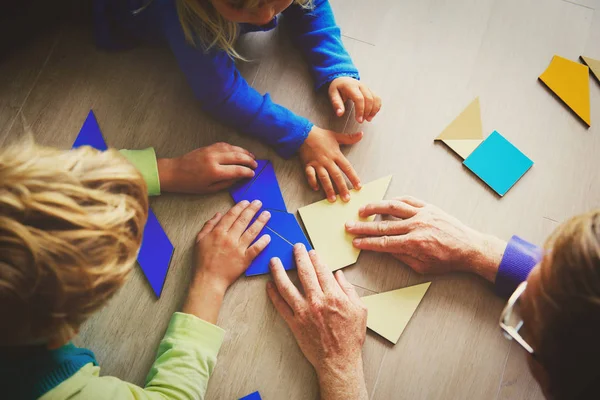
(252, 396)
(569, 81)
(390, 312)
(465, 133)
(238, 189)
(155, 253)
(263, 187)
(325, 223)
(156, 249)
(285, 232)
(594, 66)
(498, 163)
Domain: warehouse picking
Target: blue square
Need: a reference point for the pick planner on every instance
(498, 163)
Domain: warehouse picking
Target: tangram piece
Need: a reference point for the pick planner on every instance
(594, 66)
(390, 312)
(465, 133)
(498, 163)
(156, 250)
(283, 228)
(569, 81)
(325, 223)
(252, 396)
(263, 186)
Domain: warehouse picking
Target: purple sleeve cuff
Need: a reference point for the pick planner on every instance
(519, 259)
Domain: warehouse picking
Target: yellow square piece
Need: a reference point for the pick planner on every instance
(325, 223)
(465, 133)
(390, 312)
(569, 80)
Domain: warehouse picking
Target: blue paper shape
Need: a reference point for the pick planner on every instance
(239, 188)
(264, 187)
(498, 163)
(155, 253)
(252, 396)
(156, 249)
(286, 225)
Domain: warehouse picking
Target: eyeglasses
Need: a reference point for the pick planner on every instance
(511, 321)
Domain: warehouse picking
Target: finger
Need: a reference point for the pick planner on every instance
(209, 226)
(254, 250)
(232, 215)
(388, 207)
(237, 158)
(226, 172)
(413, 201)
(251, 233)
(285, 287)
(220, 185)
(348, 139)
(348, 169)
(311, 176)
(279, 303)
(359, 104)
(324, 275)
(368, 96)
(347, 287)
(336, 101)
(340, 182)
(306, 272)
(376, 107)
(383, 244)
(243, 220)
(323, 176)
(378, 228)
(242, 150)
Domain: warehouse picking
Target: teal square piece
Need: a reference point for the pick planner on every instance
(498, 163)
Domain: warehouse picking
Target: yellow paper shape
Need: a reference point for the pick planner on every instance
(594, 66)
(569, 81)
(325, 223)
(465, 133)
(390, 312)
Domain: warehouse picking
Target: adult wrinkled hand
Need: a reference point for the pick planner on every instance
(328, 321)
(426, 238)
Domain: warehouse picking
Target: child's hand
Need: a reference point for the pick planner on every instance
(223, 251)
(366, 103)
(321, 154)
(206, 170)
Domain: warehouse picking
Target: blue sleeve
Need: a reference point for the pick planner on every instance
(226, 95)
(316, 34)
(519, 259)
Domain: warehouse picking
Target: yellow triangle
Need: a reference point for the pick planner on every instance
(390, 312)
(463, 148)
(325, 223)
(569, 81)
(594, 66)
(466, 126)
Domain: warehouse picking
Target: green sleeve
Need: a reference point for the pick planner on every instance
(145, 162)
(186, 358)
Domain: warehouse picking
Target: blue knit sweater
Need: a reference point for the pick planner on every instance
(212, 74)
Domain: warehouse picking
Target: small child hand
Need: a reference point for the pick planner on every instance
(321, 154)
(206, 170)
(366, 103)
(224, 248)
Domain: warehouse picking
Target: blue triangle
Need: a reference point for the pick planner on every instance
(241, 187)
(266, 189)
(276, 248)
(286, 225)
(155, 253)
(90, 134)
(252, 396)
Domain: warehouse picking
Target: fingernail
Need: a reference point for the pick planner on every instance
(360, 119)
(350, 224)
(316, 188)
(273, 262)
(339, 111)
(361, 209)
(332, 199)
(346, 197)
(256, 203)
(356, 242)
(358, 186)
(244, 203)
(265, 214)
(299, 246)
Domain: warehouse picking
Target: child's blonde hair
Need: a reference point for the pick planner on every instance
(200, 20)
(71, 226)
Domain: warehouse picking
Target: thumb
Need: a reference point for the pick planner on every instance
(337, 102)
(352, 138)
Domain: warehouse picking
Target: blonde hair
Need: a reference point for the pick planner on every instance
(201, 21)
(71, 226)
(569, 308)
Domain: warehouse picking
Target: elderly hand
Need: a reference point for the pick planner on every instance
(328, 321)
(427, 239)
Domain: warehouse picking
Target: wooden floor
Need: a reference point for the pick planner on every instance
(427, 59)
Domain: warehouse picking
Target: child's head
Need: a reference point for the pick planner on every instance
(71, 226)
(215, 22)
